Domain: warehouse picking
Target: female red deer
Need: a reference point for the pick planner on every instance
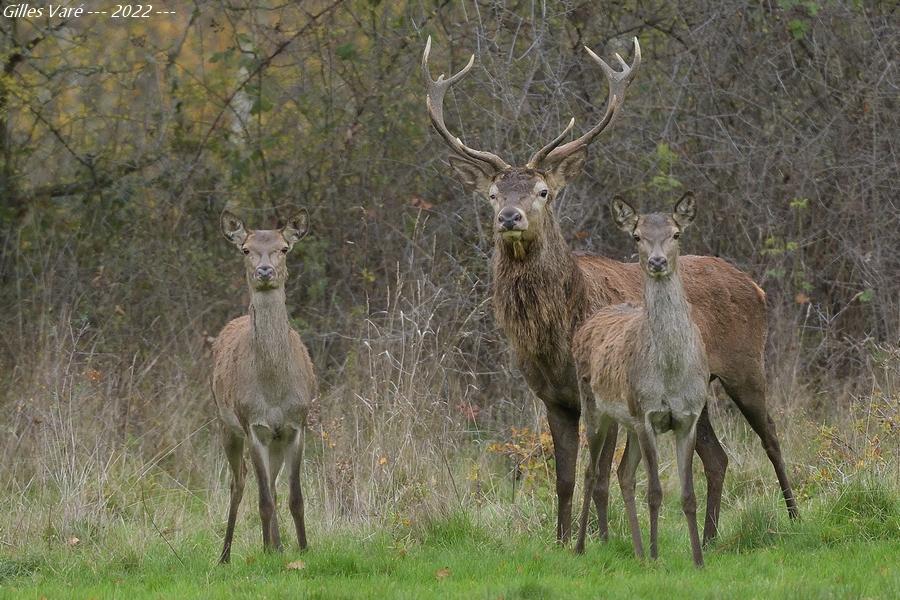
(263, 380)
(543, 291)
(646, 369)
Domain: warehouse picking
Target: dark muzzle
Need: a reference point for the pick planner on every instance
(509, 219)
(265, 273)
(657, 264)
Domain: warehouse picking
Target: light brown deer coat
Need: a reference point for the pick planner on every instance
(645, 367)
(263, 380)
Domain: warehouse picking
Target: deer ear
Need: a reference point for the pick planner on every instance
(569, 167)
(297, 227)
(233, 228)
(685, 210)
(475, 176)
(624, 215)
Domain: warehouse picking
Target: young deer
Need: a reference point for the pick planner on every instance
(648, 371)
(263, 380)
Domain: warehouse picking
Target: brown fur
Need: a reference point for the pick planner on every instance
(541, 298)
(263, 381)
(247, 380)
(646, 368)
(726, 306)
(542, 292)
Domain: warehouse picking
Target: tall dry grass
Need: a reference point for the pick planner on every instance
(402, 433)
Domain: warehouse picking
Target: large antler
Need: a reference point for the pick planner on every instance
(618, 82)
(435, 101)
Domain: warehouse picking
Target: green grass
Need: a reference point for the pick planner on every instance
(845, 547)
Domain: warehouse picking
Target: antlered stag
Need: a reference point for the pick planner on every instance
(647, 370)
(543, 291)
(263, 380)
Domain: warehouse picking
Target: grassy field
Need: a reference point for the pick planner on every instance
(410, 496)
(846, 546)
(428, 468)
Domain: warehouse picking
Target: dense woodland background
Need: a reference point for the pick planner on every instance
(122, 141)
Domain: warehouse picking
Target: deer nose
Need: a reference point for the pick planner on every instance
(265, 272)
(509, 217)
(657, 264)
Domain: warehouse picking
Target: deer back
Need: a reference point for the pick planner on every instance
(606, 347)
(727, 306)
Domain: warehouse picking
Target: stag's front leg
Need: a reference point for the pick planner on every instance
(260, 438)
(601, 488)
(597, 433)
(564, 430)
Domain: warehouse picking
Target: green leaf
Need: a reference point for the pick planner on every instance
(773, 246)
(221, 56)
(665, 155)
(866, 295)
(346, 51)
(665, 182)
(799, 203)
(248, 61)
(798, 28)
(260, 105)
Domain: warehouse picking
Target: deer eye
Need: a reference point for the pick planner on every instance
(677, 235)
(493, 196)
(284, 250)
(544, 193)
(636, 237)
(245, 250)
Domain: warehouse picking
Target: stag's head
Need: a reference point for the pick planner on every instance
(522, 197)
(656, 234)
(265, 250)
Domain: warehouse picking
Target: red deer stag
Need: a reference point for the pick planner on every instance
(263, 380)
(543, 291)
(647, 370)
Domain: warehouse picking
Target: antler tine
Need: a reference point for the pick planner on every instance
(436, 89)
(541, 154)
(618, 83)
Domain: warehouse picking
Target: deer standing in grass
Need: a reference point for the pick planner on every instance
(647, 370)
(263, 380)
(543, 291)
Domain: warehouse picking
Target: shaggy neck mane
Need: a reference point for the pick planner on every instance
(538, 297)
(271, 330)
